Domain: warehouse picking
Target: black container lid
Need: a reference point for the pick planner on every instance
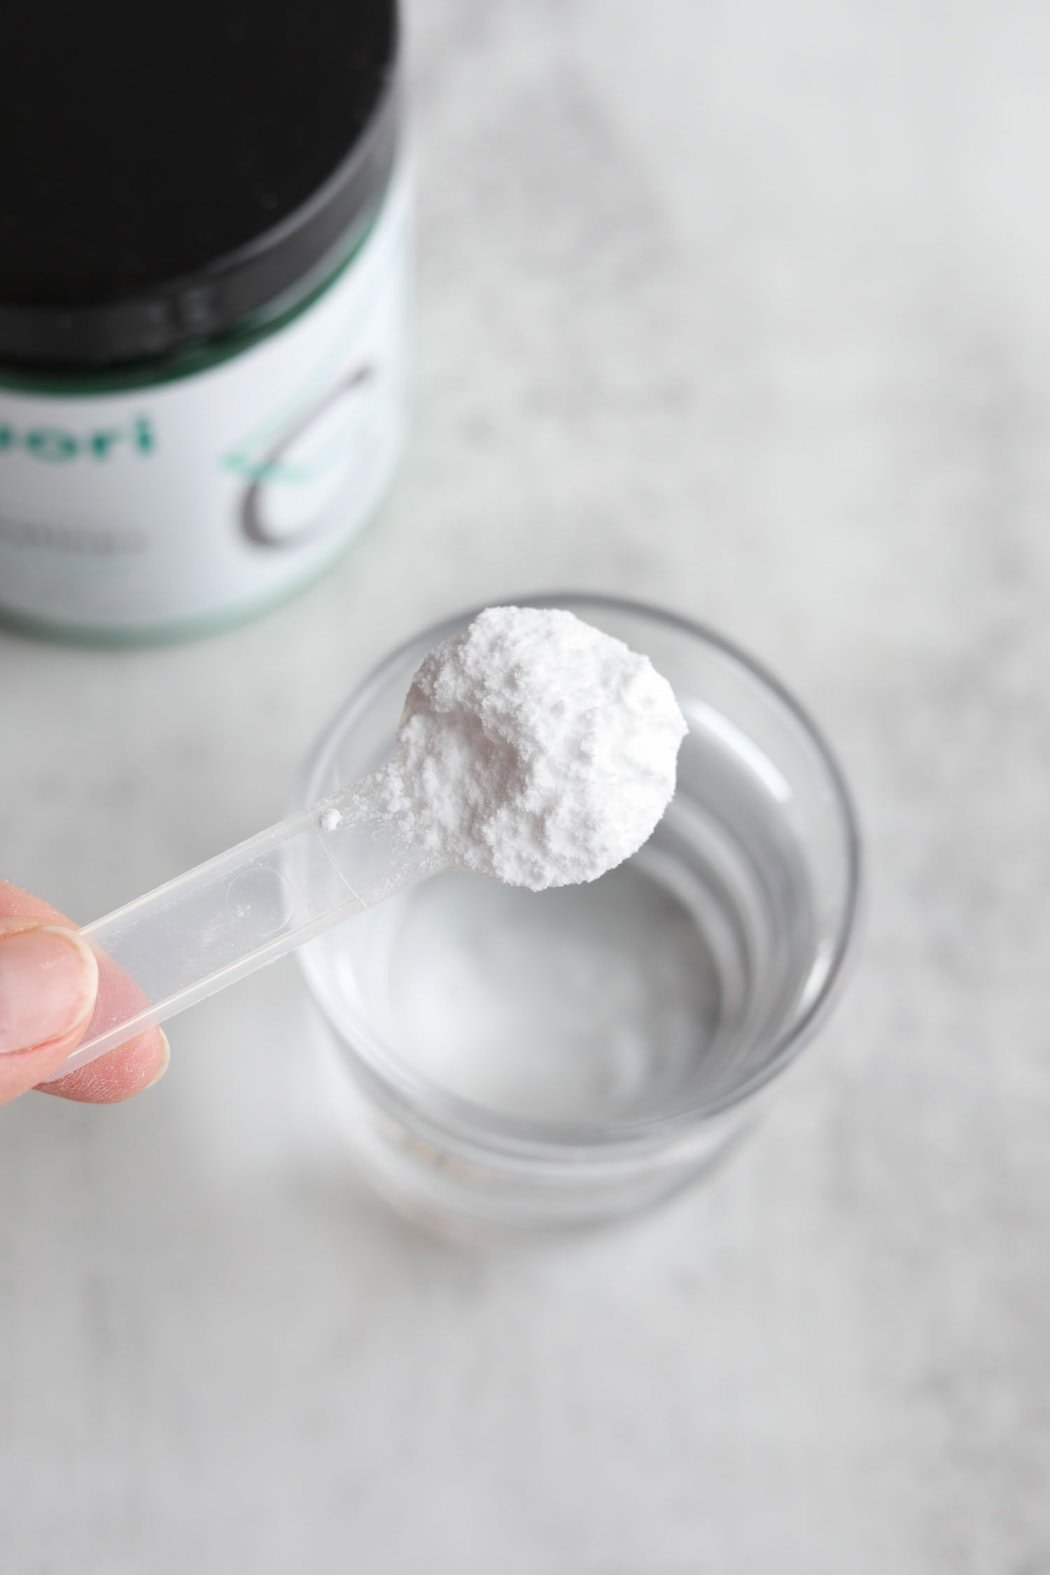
(170, 170)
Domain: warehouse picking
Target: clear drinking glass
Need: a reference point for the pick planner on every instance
(479, 1101)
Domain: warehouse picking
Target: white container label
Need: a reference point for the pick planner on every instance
(214, 493)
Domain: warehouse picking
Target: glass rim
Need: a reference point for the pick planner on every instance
(473, 1122)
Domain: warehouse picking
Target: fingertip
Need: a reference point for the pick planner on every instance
(48, 986)
(128, 1070)
(163, 1059)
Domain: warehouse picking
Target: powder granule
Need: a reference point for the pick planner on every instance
(534, 748)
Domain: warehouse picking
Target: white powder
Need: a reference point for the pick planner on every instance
(534, 748)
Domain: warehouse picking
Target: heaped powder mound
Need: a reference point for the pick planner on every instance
(534, 748)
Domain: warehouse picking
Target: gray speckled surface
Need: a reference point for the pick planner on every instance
(742, 309)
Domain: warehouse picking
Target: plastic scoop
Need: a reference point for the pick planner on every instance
(244, 908)
(533, 747)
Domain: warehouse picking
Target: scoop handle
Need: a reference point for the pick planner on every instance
(239, 911)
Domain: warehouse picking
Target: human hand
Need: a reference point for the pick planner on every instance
(49, 981)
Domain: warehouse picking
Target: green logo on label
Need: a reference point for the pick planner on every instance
(56, 445)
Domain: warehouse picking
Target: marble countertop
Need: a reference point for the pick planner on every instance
(743, 310)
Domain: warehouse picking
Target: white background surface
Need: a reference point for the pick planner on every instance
(742, 309)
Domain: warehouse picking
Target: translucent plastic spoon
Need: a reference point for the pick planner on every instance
(244, 908)
(527, 709)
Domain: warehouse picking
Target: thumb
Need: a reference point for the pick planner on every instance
(48, 982)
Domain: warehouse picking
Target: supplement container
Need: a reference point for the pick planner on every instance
(203, 304)
(513, 1062)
